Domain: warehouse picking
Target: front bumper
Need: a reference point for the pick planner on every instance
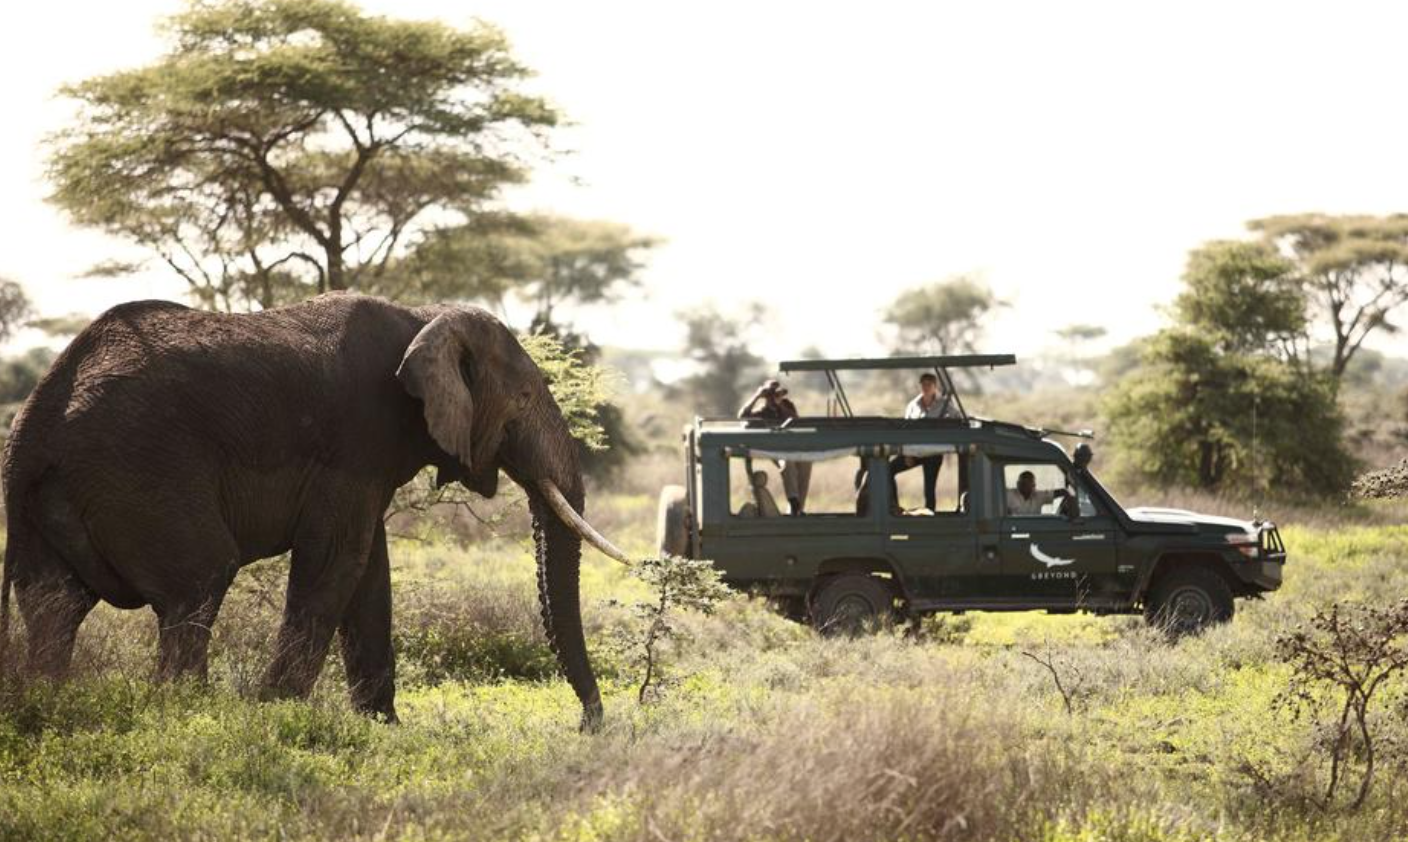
(1265, 572)
(1260, 575)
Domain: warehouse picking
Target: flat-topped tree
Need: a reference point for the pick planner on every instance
(947, 317)
(283, 147)
(15, 308)
(543, 260)
(1355, 271)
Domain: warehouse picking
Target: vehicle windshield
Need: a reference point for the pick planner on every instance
(1098, 490)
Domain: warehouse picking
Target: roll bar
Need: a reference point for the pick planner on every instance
(939, 363)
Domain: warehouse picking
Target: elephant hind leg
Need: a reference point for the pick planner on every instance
(53, 602)
(186, 585)
(366, 636)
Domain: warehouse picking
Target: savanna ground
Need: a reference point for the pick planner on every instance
(764, 731)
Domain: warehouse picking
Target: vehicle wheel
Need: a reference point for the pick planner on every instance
(1187, 600)
(793, 608)
(674, 531)
(853, 603)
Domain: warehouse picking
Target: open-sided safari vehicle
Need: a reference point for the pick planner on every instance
(867, 554)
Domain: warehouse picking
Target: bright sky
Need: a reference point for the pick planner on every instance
(820, 157)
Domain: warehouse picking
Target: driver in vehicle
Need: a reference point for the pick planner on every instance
(1025, 499)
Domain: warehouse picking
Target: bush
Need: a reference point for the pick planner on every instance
(1352, 652)
(489, 634)
(1196, 416)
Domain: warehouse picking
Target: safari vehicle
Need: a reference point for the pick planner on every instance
(860, 554)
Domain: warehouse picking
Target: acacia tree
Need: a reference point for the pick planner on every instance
(1080, 333)
(1354, 268)
(944, 317)
(1246, 298)
(542, 260)
(1193, 414)
(1229, 379)
(283, 147)
(720, 345)
(1077, 337)
(15, 308)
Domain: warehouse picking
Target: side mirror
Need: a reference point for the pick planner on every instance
(1070, 507)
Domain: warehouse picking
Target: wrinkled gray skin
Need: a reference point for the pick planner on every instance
(168, 447)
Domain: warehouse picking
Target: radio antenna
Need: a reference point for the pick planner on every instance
(1256, 462)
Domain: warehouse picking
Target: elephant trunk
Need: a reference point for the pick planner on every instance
(541, 456)
(559, 555)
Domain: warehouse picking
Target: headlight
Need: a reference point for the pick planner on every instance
(1247, 545)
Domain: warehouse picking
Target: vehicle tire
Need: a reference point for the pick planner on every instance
(1187, 600)
(794, 608)
(674, 530)
(853, 603)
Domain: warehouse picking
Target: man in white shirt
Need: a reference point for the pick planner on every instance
(1025, 499)
(929, 403)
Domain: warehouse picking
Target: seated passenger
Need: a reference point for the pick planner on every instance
(767, 506)
(1025, 499)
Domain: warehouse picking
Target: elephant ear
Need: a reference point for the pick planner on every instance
(431, 371)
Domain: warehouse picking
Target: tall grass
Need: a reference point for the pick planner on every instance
(770, 733)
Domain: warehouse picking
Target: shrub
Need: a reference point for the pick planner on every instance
(490, 633)
(1350, 652)
(675, 584)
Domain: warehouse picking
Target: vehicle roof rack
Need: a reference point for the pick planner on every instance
(939, 363)
(879, 363)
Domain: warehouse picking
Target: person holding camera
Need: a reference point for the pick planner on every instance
(776, 406)
(796, 476)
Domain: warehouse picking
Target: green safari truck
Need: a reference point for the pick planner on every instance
(1018, 523)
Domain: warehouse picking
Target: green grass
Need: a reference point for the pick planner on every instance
(768, 732)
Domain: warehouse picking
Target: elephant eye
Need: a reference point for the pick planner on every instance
(523, 398)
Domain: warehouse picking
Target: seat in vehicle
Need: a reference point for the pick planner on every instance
(767, 506)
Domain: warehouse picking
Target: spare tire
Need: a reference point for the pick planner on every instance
(674, 530)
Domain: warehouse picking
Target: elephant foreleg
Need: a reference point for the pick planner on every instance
(366, 636)
(326, 569)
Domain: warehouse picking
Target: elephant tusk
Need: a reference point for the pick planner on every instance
(578, 523)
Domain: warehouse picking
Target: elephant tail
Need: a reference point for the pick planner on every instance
(15, 535)
(6, 583)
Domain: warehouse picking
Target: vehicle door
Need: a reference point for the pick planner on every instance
(936, 551)
(758, 539)
(1046, 553)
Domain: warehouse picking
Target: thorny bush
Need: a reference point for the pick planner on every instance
(675, 584)
(1351, 651)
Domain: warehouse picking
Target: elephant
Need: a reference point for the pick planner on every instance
(168, 447)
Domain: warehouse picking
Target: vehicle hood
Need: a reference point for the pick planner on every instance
(1154, 519)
